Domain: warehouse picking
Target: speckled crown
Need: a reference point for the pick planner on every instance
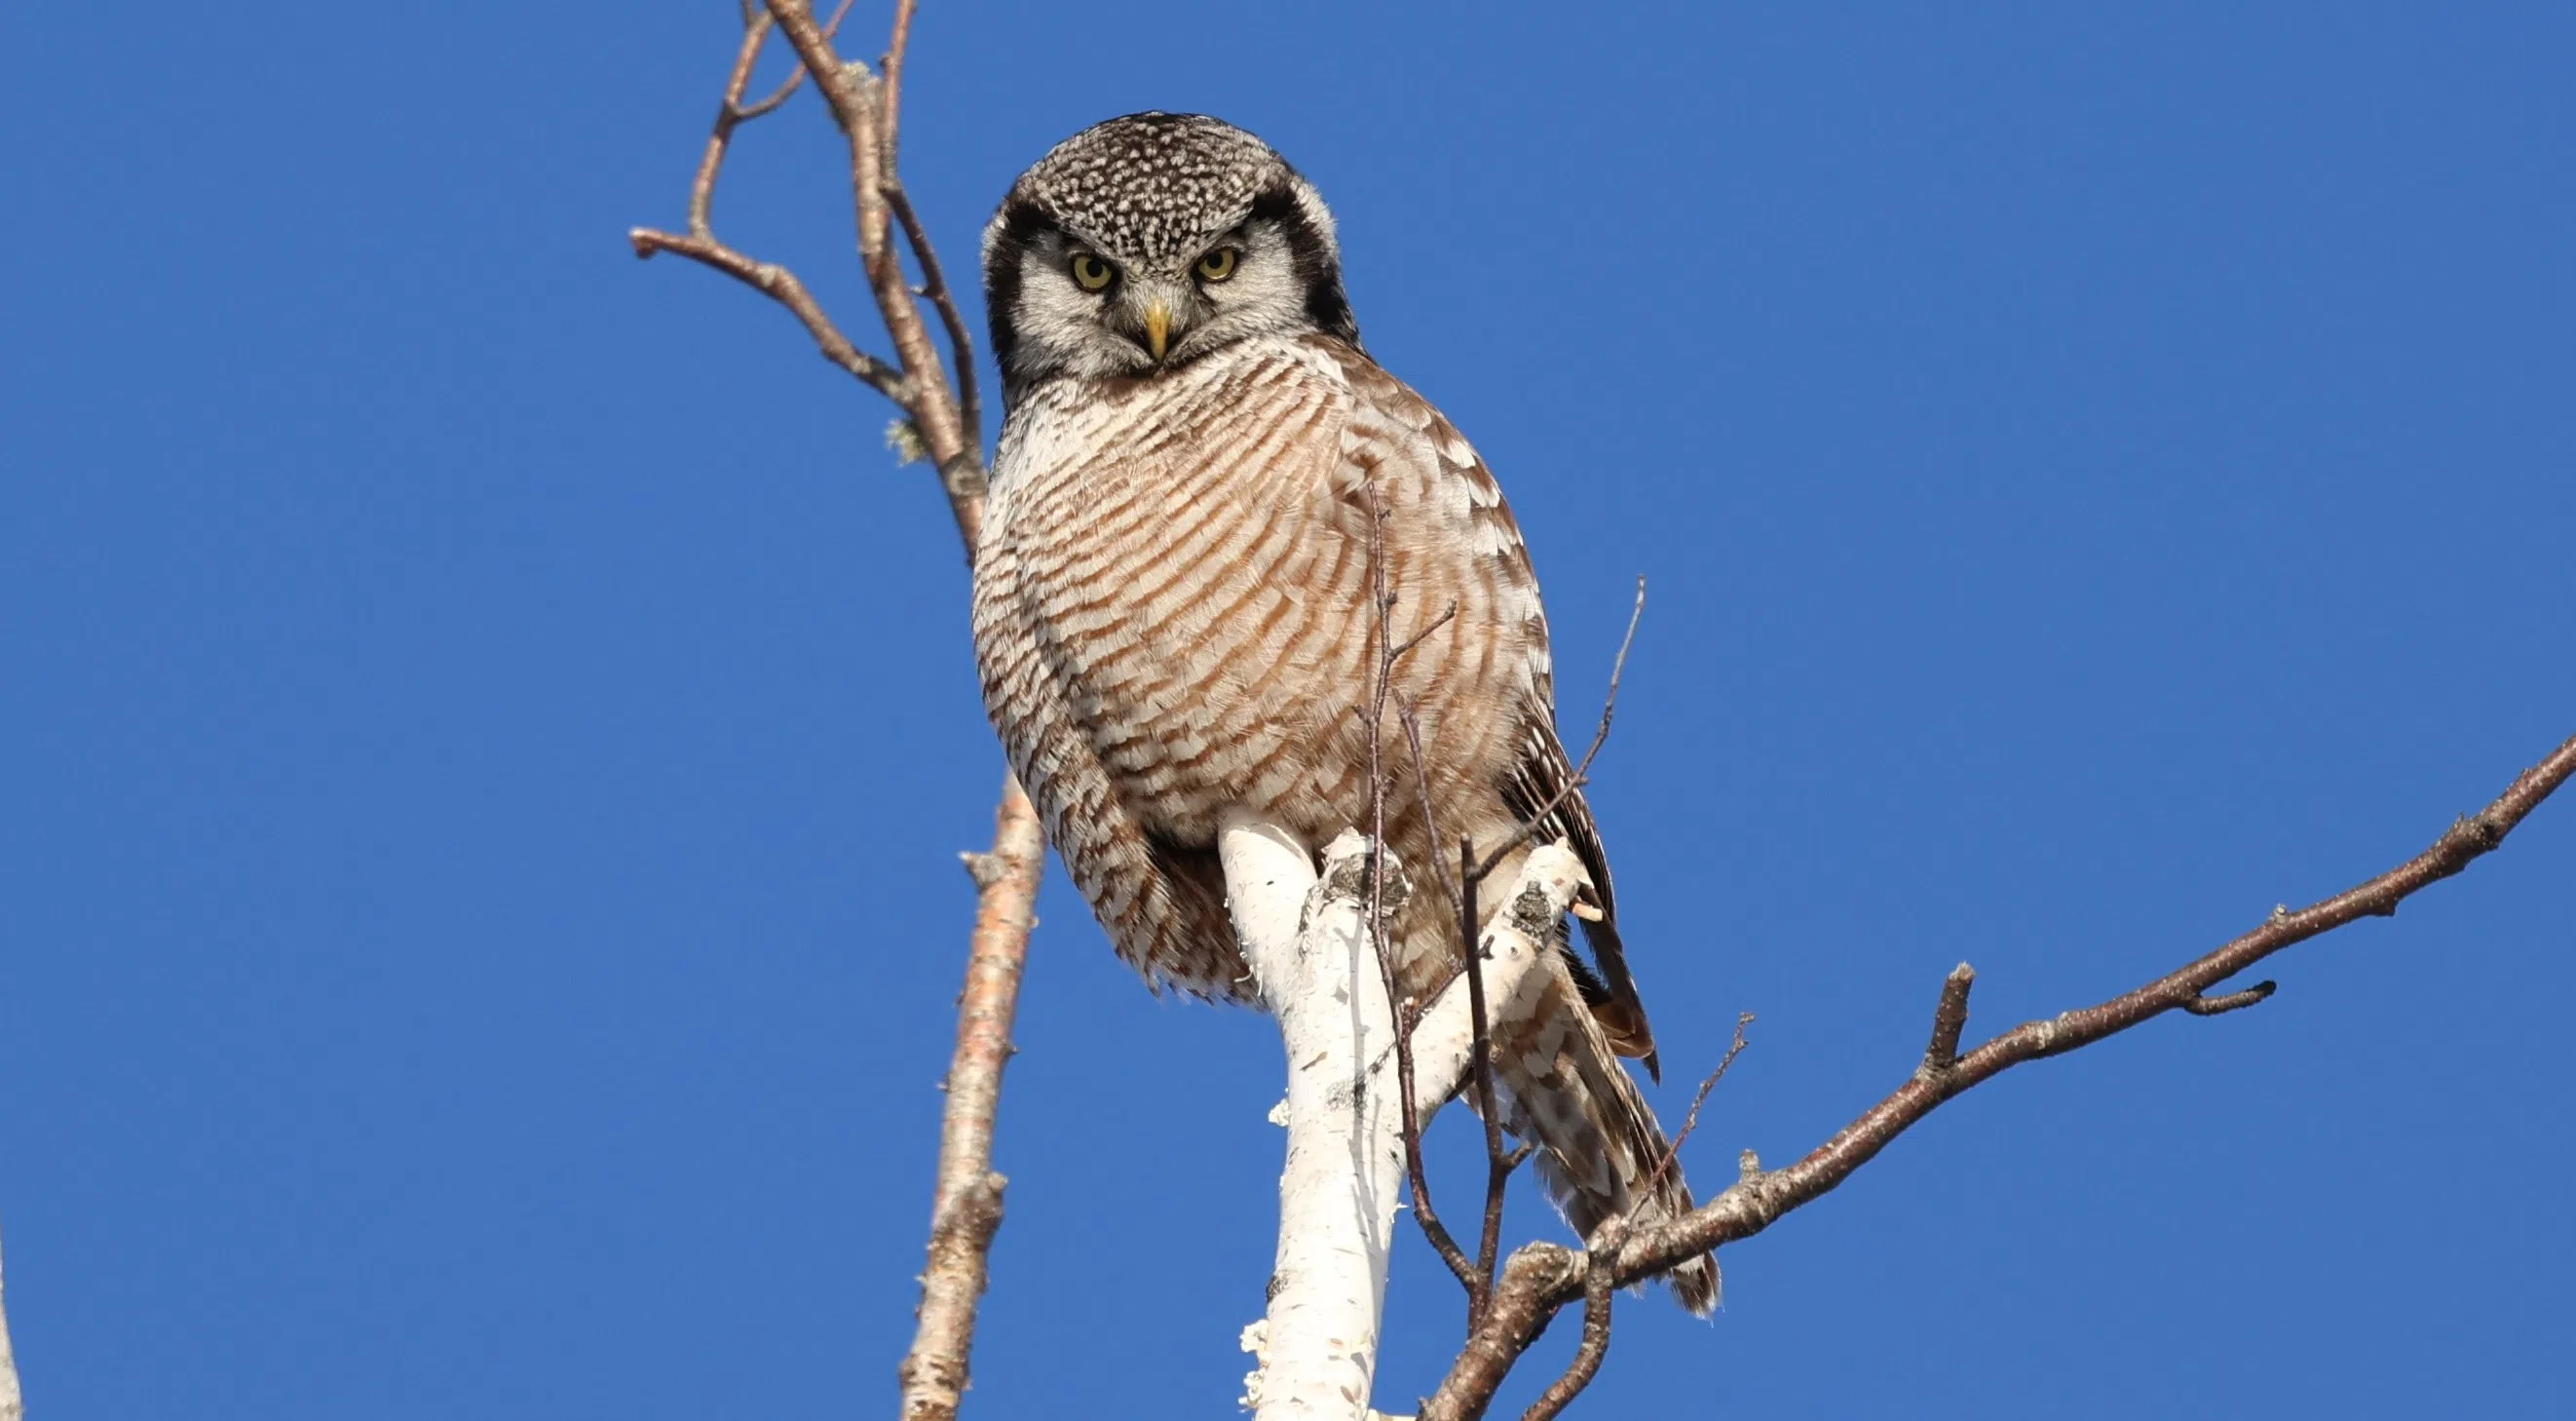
(1152, 185)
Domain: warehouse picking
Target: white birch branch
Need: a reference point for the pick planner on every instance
(11, 1407)
(1307, 941)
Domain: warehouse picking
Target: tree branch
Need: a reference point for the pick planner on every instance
(775, 282)
(966, 1205)
(934, 289)
(1586, 1362)
(1406, 1011)
(1699, 1098)
(1307, 940)
(780, 285)
(1480, 1069)
(1541, 1278)
(856, 98)
(12, 1407)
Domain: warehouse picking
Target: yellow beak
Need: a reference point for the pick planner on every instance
(1158, 328)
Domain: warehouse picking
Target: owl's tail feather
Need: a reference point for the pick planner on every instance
(1600, 1150)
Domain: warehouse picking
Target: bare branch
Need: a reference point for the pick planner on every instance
(1690, 1118)
(967, 1202)
(702, 189)
(1418, 638)
(966, 1207)
(934, 289)
(857, 100)
(795, 76)
(776, 282)
(1542, 1278)
(891, 66)
(1574, 782)
(1407, 716)
(1480, 1064)
(1443, 1243)
(1618, 668)
(1597, 1273)
(780, 285)
(1407, 1012)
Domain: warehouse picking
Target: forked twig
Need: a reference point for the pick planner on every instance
(1598, 1256)
(779, 284)
(795, 77)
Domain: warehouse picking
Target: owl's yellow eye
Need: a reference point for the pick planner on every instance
(1217, 265)
(1091, 273)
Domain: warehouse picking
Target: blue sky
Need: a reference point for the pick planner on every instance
(487, 728)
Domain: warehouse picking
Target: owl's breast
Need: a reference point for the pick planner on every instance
(1190, 560)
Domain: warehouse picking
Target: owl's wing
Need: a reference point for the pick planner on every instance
(1163, 904)
(1542, 780)
(1463, 492)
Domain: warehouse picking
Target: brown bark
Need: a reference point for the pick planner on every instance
(966, 1208)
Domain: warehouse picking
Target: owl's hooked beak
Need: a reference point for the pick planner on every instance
(1158, 327)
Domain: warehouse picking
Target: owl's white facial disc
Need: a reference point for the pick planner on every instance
(1155, 223)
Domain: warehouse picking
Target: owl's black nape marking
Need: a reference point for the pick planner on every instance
(1319, 259)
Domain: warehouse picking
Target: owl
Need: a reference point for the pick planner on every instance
(1199, 476)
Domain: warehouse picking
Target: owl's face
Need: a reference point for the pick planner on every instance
(1146, 242)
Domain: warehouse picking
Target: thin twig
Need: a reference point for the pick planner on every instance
(1478, 1278)
(1618, 668)
(1404, 1009)
(1541, 1278)
(934, 289)
(780, 285)
(1407, 716)
(1472, 872)
(1574, 782)
(729, 114)
(1382, 630)
(1382, 603)
(891, 66)
(1418, 638)
(1425, 1216)
(1690, 1118)
(1480, 1064)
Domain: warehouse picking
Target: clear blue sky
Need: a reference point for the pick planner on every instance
(485, 727)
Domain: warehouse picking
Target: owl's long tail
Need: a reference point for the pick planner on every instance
(1601, 1151)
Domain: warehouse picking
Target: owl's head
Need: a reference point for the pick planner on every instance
(1146, 242)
